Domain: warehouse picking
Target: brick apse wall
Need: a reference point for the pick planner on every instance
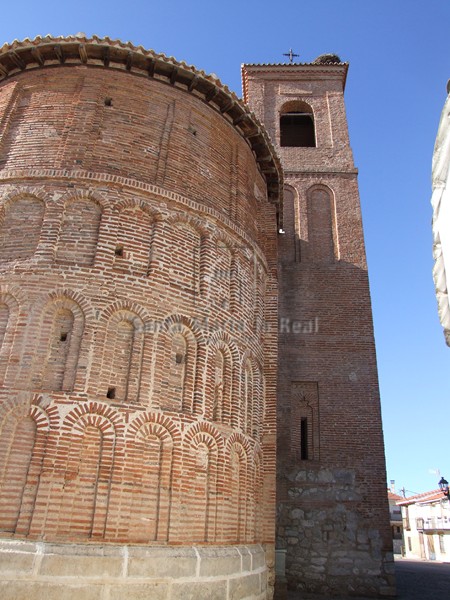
(138, 307)
(333, 518)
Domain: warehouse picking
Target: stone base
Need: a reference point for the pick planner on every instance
(48, 571)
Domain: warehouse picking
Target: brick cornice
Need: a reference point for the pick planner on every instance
(43, 52)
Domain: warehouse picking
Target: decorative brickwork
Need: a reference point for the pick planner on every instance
(333, 519)
(137, 273)
(142, 391)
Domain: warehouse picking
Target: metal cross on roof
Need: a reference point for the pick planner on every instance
(291, 55)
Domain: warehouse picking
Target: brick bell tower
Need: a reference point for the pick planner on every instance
(333, 523)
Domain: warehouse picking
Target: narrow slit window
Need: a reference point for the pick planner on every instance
(304, 439)
(111, 393)
(119, 251)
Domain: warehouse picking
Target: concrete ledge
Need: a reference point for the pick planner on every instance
(49, 571)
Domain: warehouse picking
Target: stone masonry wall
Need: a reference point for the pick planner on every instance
(111, 572)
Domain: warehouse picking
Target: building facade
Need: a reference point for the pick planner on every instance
(440, 202)
(141, 219)
(333, 519)
(395, 515)
(426, 526)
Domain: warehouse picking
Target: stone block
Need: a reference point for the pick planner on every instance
(219, 561)
(248, 586)
(19, 563)
(139, 591)
(32, 590)
(246, 558)
(162, 562)
(204, 590)
(258, 557)
(86, 566)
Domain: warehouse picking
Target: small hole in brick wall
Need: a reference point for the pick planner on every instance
(63, 336)
(111, 393)
(179, 358)
(119, 251)
(192, 130)
(108, 101)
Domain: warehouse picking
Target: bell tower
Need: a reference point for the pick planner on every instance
(331, 480)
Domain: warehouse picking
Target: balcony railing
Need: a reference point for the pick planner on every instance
(433, 524)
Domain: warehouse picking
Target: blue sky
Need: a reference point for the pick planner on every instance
(399, 55)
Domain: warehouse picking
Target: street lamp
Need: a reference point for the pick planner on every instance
(443, 485)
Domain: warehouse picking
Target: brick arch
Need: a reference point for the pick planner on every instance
(323, 242)
(61, 327)
(189, 220)
(140, 203)
(202, 481)
(181, 357)
(256, 495)
(259, 297)
(252, 412)
(206, 431)
(183, 247)
(242, 297)
(151, 456)
(28, 218)
(37, 192)
(155, 419)
(82, 194)
(87, 454)
(297, 124)
(296, 106)
(122, 349)
(97, 414)
(237, 477)
(23, 440)
(223, 375)
(241, 440)
(290, 245)
(135, 235)
(81, 301)
(9, 314)
(173, 321)
(81, 216)
(222, 252)
(137, 309)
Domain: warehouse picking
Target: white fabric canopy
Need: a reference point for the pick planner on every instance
(440, 202)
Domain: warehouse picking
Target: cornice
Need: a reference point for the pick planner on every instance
(49, 51)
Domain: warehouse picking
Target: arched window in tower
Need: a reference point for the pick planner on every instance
(20, 228)
(321, 225)
(297, 125)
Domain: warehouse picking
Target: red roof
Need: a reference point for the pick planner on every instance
(392, 496)
(424, 497)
